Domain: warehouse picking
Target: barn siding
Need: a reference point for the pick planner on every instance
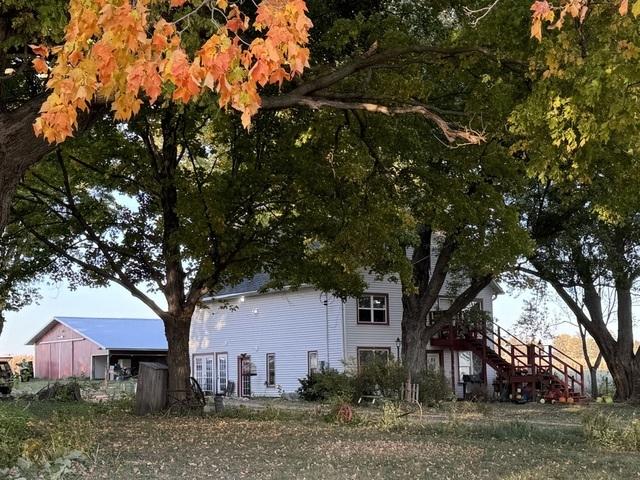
(62, 352)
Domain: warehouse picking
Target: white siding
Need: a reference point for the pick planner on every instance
(361, 335)
(288, 324)
(292, 323)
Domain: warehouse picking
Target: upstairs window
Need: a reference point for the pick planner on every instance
(271, 369)
(372, 309)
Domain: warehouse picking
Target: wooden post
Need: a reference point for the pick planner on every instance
(566, 382)
(581, 380)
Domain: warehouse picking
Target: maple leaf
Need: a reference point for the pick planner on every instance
(40, 65)
(177, 3)
(40, 50)
(624, 7)
(541, 11)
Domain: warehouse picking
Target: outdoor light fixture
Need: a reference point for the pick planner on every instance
(398, 342)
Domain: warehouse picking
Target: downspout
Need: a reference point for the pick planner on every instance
(326, 312)
(344, 334)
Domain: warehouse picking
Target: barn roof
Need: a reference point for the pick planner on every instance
(114, 333)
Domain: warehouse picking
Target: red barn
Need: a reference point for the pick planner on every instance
(88, 347)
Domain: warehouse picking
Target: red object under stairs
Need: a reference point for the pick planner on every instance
(532, 370)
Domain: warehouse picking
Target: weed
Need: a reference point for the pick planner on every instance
(392, 416)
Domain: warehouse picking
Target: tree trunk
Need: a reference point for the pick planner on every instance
(414, 347)
(177, 329)
(19, 149)
(593, 372)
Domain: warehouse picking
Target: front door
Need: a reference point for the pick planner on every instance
(244, 376)
(222, 373)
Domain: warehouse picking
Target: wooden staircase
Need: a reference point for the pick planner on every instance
(526, 370)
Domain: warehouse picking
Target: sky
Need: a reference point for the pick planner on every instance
(115, 301)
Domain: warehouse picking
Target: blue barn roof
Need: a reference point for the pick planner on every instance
(114, 333)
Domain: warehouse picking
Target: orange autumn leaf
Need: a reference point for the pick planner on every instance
(40, 65)
(121, 53)
(624, 7)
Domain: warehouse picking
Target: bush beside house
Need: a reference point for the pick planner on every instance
(385, 379)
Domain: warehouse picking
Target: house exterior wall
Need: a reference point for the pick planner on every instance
(62, 352)
(292, 323)
(288, 324)
(360, 335)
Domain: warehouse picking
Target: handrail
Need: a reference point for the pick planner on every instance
(530, 355)
(564, 354)
(535, 358)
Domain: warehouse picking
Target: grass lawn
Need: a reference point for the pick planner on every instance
(461, 442)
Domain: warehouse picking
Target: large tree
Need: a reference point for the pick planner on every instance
(578, 133)
(178, 203)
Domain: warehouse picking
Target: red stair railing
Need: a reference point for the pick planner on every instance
(522, 358)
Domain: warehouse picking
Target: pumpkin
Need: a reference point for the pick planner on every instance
(570, 400)
(562, 400)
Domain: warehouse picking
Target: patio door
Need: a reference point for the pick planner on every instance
(208, 375)
(203, 371)
(222, 373)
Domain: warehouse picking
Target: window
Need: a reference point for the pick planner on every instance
(207, 386)
(468, 364)
(271, 369)
(198, 370)
(203, 372)
(312, 362)
(372, 309)
(368, 355)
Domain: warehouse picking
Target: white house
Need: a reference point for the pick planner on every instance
(265, 342)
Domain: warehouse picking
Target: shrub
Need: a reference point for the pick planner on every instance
(602, 430)
(14, 431)
(380, 377)
(434, 388)
(321, 386)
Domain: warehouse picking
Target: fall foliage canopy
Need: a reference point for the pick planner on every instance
(119, 52)
(542, 11)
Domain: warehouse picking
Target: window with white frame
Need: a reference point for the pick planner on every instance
(369, 355)
(468, 364)
(312, 362)
(271, 369)
(373, 309)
